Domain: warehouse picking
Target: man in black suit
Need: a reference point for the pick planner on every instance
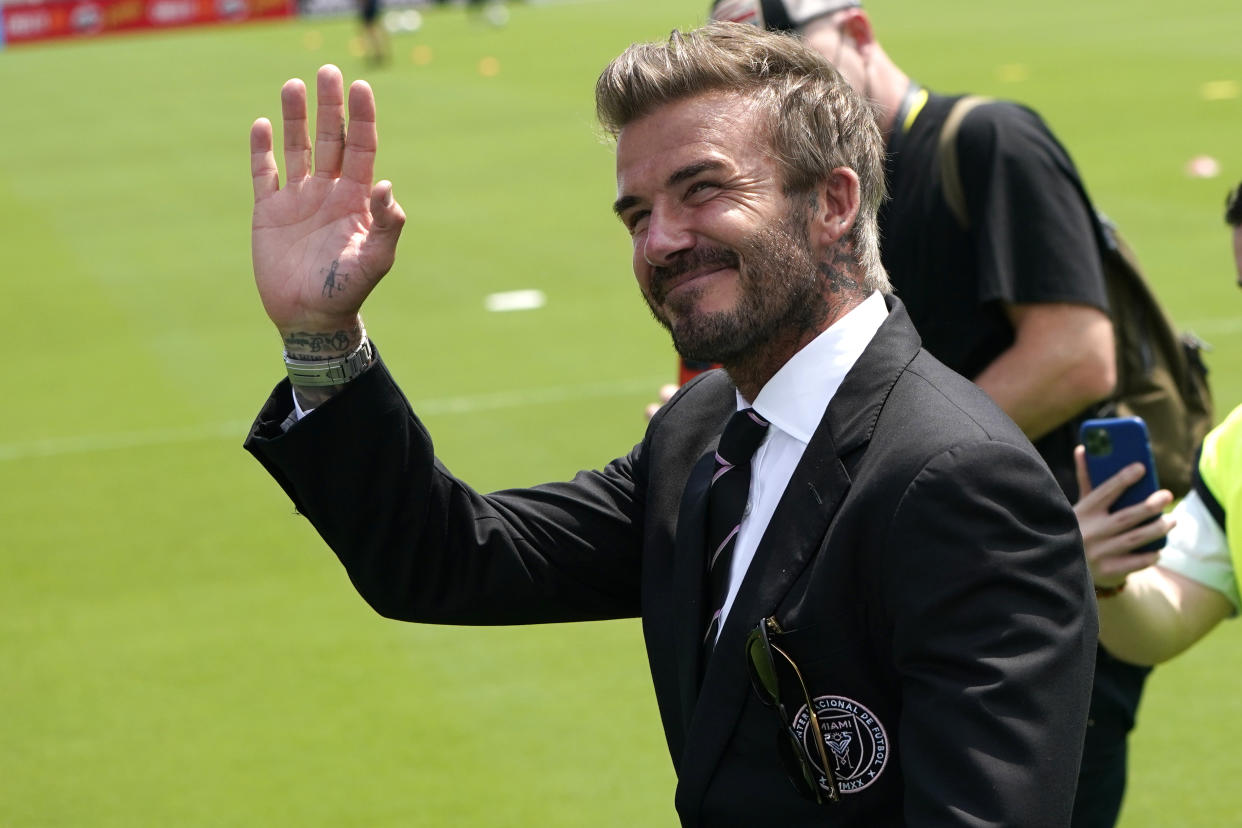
(898, 620)
(1010, 292)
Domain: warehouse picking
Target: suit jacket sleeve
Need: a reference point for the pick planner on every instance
(994, 636)
(420, 545)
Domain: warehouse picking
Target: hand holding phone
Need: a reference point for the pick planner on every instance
(1111, 445)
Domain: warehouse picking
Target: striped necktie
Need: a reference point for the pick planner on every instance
(726, 506)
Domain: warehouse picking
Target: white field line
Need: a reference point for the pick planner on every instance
(236, 429)
(1213, 327)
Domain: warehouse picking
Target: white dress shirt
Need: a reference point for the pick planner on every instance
(794, 401)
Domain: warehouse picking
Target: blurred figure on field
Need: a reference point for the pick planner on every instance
(374, 36)
(494, 12)
(1155, 605)
(990, 240)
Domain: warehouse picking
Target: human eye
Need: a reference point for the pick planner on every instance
(702, 188)
(636, 221)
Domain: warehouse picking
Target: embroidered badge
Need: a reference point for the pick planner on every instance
(857, 743)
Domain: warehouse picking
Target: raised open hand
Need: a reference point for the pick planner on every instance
(322, 242)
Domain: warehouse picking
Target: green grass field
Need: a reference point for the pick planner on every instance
(180, 649)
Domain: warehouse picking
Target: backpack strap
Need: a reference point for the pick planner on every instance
(946, 151)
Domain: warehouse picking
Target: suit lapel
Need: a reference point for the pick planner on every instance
(791, 541)
(689, 581)
(821, 480)
(793, 538)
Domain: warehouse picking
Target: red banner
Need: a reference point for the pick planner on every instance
(54, 19)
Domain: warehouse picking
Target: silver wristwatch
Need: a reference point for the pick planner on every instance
(318, 373)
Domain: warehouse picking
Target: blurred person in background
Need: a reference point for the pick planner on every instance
(1154, 605)
(374, 35)
(1016, 300)
(880, 596)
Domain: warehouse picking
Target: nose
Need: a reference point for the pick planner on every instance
(667, 236)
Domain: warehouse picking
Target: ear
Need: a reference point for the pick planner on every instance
(836, 208)
(856, 26)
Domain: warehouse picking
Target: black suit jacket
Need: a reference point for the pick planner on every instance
(926, 568)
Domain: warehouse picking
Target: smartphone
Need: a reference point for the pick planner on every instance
(1112, 444)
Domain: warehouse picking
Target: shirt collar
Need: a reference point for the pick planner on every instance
(795, 398)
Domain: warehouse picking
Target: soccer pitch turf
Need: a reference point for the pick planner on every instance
(180, 649)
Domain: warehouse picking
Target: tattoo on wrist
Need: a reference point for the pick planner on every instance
(320, 344)
(335, 282)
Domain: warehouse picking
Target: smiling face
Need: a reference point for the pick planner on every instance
(722, 255)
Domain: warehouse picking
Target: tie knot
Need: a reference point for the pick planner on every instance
(742, 436)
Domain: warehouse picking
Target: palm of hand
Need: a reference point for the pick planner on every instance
(310, 262)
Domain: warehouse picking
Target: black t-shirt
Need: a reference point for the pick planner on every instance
(1031, 239)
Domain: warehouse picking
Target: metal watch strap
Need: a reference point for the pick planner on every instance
(318, 373)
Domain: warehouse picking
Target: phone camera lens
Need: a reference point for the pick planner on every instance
(1098, 442)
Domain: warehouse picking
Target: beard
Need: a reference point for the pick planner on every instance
(780, 294)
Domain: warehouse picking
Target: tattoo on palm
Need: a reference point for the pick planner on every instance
(335, 282)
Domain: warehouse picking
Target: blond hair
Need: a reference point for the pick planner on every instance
(814, 120)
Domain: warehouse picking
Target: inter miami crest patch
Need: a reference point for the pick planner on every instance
(857, 743)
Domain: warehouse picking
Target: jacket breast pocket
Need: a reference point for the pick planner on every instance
(827, 686)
